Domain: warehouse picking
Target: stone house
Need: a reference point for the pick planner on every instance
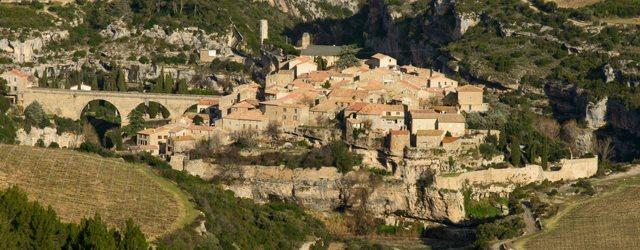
(154, 140)
(242, 106)
(304, 68)
(181, 144)
(281, 78)
(326, 110)
(428, 138)
(201, 132)
(439, 80)
(251, 120)
(330, 53)
(380, 117)
(470, 99)
(452, 123)
(398, 140)
(423, 120)
(210, 107)
(382, 61)
(17, 81)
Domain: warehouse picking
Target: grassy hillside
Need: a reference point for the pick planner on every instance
(79, 185)
(607, 221)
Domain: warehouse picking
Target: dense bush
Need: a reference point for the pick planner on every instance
(28, 225)
(234, 222)
(35, 116)
(336, 154)
(64, 125)
(499, 230)
(90, 147)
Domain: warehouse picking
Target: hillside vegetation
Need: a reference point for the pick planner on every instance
(80, 185)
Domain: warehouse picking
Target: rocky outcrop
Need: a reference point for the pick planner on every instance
(325, 189)
(596, 114)
(117, 30)
(25, 51)
(313, 9)
(48, 135)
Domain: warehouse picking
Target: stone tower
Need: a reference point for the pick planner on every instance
(305, 41)
(264, 30)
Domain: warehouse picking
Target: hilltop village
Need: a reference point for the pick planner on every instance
(377, 99)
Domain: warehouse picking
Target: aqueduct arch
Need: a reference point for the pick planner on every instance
(70, 103)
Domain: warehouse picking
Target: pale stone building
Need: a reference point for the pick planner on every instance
(280, 78)
(330, 53)
(452, 123)
(249, 120)
(423, 120)
(381, 117)
(17, 81)
(382, 61)
(470, 99)
(429, 138)
(398, 140)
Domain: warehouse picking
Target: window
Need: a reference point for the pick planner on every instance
(388, 113)
(159, 137)
(284, 109)
(284, 117)
(295, 111)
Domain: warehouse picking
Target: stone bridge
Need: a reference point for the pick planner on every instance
(71, 103)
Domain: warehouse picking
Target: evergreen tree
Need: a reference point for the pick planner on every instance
(136, 122)
(121, 85)
(94, 82)
(545, 155)
(94, 234)
(183, 88)
(35, 115)
(158, 85)
(515, 152)
(43, 82)
(132, 238)
(153, 110)
(168, 84)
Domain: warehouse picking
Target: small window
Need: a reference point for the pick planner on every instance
(284, 109)
(159, 137)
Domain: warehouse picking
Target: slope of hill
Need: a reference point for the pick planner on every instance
(607, 221)
(80, 185)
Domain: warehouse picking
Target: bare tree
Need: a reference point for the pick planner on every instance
(548, 127)
(569, 133)
(273, 131)
(604, 149)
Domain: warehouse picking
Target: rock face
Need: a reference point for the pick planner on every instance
(312, 9)
(326, 189)
(25, 51)
(48, 135)
(596, 114)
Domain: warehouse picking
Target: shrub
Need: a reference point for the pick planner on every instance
(54, 145)
(498, 230)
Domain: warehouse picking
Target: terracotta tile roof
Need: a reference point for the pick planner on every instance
(209, 101)
(201, 127)
(356, 106)
(243, 104)
(325, 106)
(423, 114)
(451, 118)
(176, 129)
(19, 73)
(378, 109)
(449, 139)
(470, 88)
(251, 115)
(430, 132)
(399, 132)
(446, 109)
(379, 56)
(183, 138)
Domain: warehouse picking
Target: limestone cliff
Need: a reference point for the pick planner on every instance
(48, 135)
(408, 191)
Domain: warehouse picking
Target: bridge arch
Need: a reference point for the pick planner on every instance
(70, 103)
(102, 109)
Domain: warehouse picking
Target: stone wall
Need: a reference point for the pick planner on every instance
(48, 135)
(570, 170)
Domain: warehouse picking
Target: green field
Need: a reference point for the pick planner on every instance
(78, 185)
(610, 220)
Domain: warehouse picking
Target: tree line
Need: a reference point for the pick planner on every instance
(26, 224)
